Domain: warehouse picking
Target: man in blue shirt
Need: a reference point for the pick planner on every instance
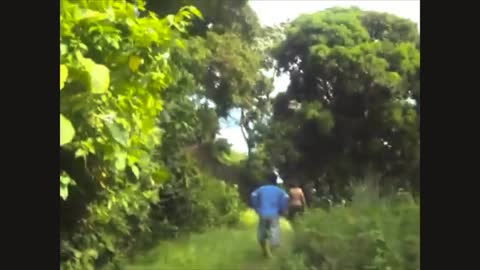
(269, 201)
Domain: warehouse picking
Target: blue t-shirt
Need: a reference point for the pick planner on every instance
(269, 201)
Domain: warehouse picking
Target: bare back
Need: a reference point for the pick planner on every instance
(296, 196)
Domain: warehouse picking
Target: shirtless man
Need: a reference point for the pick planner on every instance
(297, 203)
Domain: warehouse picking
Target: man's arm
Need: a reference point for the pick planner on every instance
(254, 199)
(303, 198)
(283, 202)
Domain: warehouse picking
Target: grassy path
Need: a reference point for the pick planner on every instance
(228, 249)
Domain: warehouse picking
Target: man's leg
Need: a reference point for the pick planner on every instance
(263, 233)
(302, 210)
(292, 213)
(275, 233)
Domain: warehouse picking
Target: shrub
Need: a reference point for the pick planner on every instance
(371, 233)
(114, 64)
(214, 203)
(199, 203)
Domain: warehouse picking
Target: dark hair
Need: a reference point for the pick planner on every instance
(294, 184)
(272, 178)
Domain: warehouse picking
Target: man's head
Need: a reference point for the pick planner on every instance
(272, 178)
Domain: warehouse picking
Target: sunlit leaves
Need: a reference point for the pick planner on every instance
(135, 171)
(114, 65)
(120, 160)
(99, 78)
(63, 75)
(65, 182)
(185, 11)
(134, 62)
(118, 133)
(91, 15)
(67, 132)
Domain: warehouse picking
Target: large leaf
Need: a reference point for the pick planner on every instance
(121, 161)
(134, 62)
(63, 75)
(135, 171)
(99, 78)
(64, 192)
(193, 10)
(118, 134)
(91, 15)
(67, 132)
(63, 49)
(65, 181)
(92, 253)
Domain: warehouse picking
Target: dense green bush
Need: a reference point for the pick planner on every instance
(370, 233)
(213, 203)
(196, 202)
(114, 64)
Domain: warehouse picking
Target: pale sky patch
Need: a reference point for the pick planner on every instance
(275, 12)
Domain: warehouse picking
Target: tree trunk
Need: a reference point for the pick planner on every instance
(245, 133)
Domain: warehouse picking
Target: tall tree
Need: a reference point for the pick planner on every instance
(349, 103)
(219, 15)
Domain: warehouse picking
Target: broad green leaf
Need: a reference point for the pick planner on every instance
(134, 62)
(64, 192)
(118, 134)
(65, 179)
(171, 19)
(88, 144)
(67, 132)
(80, 153)
(140, 4)
(121, 161)
(63, 75)
(92, 253)
(131, 160)
(135, 171)
(99, 78)
(63, 49)
(88, 14)
(193, 10)
(148, 194)
(77, 254)
(125, 204)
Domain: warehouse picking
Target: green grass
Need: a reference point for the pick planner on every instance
(371, 232)
(232, 249)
